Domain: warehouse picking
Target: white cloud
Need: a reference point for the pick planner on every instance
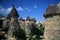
(58, 4)
(8, 9)
(5, 10)
(35, 6)
(2, 9)
(27, 9)
(20, 9)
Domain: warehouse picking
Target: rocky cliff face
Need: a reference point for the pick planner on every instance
(52, 23)
(52, 28)
(14, 25)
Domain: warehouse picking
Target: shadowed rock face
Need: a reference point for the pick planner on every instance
(13, 13)
(1, 22)
(51, 11)
(2, 29)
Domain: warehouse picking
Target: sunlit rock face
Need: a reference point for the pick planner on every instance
(28, 27)
(22, 23)
(25, 25)
(52, 25)
(52, 28)
(14, 25)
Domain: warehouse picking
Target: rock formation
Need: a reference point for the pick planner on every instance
(14, 24)
(52, 23)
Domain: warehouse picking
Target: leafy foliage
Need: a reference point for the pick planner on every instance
(20, 34)
(36, 31)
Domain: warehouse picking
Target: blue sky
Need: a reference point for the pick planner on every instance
(31, 8)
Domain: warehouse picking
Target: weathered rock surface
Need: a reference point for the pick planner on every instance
(52, 28)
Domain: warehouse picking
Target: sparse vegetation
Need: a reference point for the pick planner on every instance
(35, 31)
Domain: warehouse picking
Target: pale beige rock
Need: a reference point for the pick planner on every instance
(52, 28)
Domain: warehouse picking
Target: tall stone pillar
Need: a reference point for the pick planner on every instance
(52, 29)
(14, 24)
(52, 23)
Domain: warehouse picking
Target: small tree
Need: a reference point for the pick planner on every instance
(37, 32)
(20, 34)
